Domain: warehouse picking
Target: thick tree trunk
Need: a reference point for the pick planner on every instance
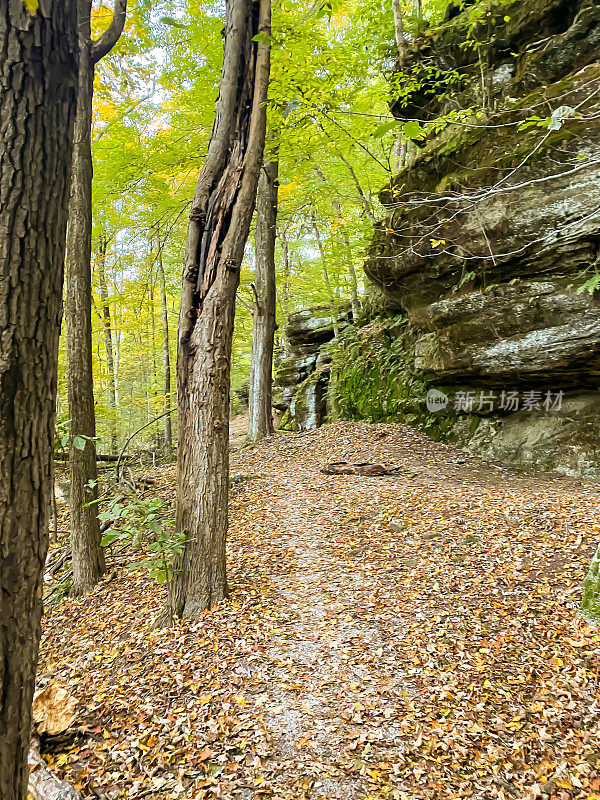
(168, 441)
(263, 332)
(88, 556)
(38, 70)
(110, 361)
(217, 233)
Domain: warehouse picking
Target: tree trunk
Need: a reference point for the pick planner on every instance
(38, 69)
(88, 556)
(355, 300)
(110, 361)
(168, 442)
(334, 320)
(399, 30)
(263, 332)
(284, 287)
(217, 234)
(347, 247)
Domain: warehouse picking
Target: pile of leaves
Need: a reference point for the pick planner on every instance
(405, 636)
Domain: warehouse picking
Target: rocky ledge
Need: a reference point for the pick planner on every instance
(491, 246)
(302, 375)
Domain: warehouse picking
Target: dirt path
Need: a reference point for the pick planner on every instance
(406, 637)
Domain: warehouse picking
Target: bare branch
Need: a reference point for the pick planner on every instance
(111, 35)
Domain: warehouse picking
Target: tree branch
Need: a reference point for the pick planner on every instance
(111, 35)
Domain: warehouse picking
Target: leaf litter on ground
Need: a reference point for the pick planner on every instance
(405, 636)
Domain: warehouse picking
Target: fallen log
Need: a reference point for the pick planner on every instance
(44, 785)
(361, 468)
(99, 457)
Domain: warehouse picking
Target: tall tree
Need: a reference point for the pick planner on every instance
(88, 556)
(108, 343)
(38, 76)
(217, 233)
(263, 328)
(168, 440)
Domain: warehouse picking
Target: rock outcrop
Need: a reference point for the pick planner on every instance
(302, 376)
(491, 247)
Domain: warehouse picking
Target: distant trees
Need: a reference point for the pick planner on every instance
(38, 85)
(88, 556)
(218, 229)
(263, 330)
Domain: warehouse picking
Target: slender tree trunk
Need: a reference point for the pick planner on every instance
(110, 361)
(88, 557)
(284, 287)
(263, 332)
(347, 248)
(399, 30)
(87, 554)
(217, 234)
(349, 260)
(368, 208)
(334, 321)
(168, 442)
(38, 68)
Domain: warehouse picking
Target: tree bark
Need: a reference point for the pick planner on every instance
(327, 282)
(110, 361)
(88, 556)
(168, 440)
(399, 30)
(264, 326)
(284, 286)
(354, 298)
(218, 230)
(38, 75)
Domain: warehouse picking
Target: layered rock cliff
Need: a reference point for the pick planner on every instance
(302, 375)
(491, 247)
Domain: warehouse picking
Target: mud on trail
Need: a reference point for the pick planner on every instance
(406, 636)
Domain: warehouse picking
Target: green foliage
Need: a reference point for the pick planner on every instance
(371, 376)
(591, 285)
(142, 523)
(590, 601)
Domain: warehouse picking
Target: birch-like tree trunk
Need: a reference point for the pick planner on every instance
(168, 440)
(218, 230)
(87, 554)
(38, 82)
(108, 343)
(326, 279)
(263, 328)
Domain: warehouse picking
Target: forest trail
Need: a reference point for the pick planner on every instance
(411, 636)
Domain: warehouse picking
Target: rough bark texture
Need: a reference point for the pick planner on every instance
(263, 333)
(88, 556)
(217, 233)
(37, 105)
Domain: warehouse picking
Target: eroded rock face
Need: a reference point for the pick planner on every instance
(493, 233)
(301, 378)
